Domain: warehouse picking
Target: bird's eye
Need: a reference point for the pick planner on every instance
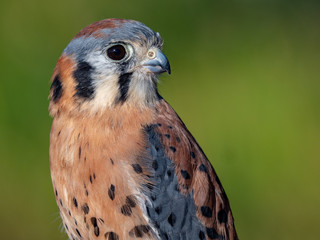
(116, 52)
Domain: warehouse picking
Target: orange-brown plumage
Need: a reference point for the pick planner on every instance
(103, 146)
(122, 162)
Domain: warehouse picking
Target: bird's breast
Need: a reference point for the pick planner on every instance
(97, 177)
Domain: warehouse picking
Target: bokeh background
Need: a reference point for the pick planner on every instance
(245, 80)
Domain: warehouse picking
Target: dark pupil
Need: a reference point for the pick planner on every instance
(116, 52)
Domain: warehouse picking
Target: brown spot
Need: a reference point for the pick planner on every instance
(206, 211)
(172, 219)
(75, 202)
(137, 168)
(185, 174)
(95, 226)
(111, 236)
(111, 191)
(222, 216)
(78, 232)
(139, 231)
(173, 149)
(94, 28)
(126, 210)
(85, 208)
(130, 200)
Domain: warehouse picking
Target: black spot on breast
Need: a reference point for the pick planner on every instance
(61, 202)
(124, 82)
(111, 161)
(178, 139)
(222, 216)
(75, 221)
(95, 226)
(172, 219)
(111, 236)
(167, 136)
(185, 174)
(79, 153)
(56, 87)
(212, 233)
(137, 168)
(90, 178)
(173, 149)
(87, 193)
(66, 227)
(111, 191)
(78, 232)
(149, 186)
(159, 124)
(202, 236)
(85, 208)
(94, 176)
(75, 202)
(130, 200)
(82, 75)
(166, 236)
(203, 168)
(155, 165)
(206, 211)
(56, 193)
(126, 210)
(139, 231)
(193, 155)
(170, 127)
(158, 209)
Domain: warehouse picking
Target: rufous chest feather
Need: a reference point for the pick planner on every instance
(94, 164)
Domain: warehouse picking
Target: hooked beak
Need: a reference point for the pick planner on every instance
(157, 62)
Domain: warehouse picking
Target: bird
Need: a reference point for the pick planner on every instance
(123, 164)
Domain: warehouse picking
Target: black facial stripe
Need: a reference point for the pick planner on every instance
(124, 82)
(84, 81)
(57, 88)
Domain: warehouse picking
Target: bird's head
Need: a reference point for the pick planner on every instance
(113, 62)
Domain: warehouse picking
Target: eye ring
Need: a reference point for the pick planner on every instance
(118, 52)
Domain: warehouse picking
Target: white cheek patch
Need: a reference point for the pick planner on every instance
(106, 92)
(105, 81)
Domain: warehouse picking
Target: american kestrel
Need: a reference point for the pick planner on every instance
(123, 164)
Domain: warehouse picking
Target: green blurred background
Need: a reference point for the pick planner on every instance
(245, 80)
